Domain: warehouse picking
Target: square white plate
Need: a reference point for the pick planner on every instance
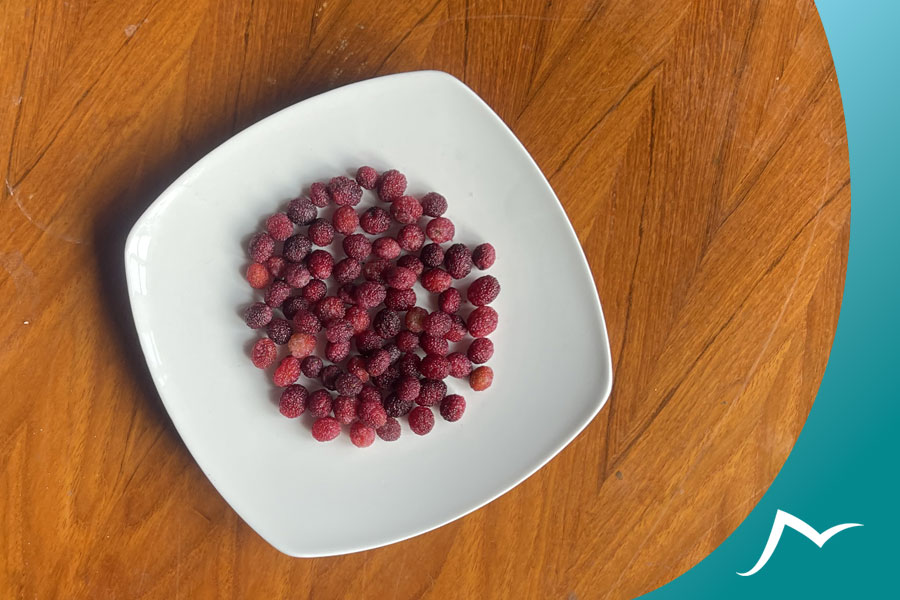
(185, 259)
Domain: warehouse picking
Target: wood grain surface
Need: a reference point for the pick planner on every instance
(697, 146)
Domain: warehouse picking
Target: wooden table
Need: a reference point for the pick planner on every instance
(698, 148)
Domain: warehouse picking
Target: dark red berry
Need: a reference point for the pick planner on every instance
(357, 366)
(329, 376)
(293, 305)
(337, 351)
(432, 390)
(378, 362)
(347, 293)
(361, 435)
(450, 300)
(330, 307)
(339, 330)
(357, 246)
(483, 290)
(432, 255)
(421, 420)
(408, 388)
(318, 403)
(358, 317)
(438, 323)
(483, 256)
(434, 344)
(375, 220)
(368, 341)
(344, 409)
(386, 323)
(482, 322)
(370, 294)
(407, 341)
(391, 185)
(321, 232)
(275, 265)
(371, 414)
(302, 345)
(393, 351)
(480, 350)
(258, 276)
(344, 191)
(280, 227)
(293, 401)
(301, 211)
(458, 261)
(387, 379)
(257, 315)
(288, 371)
(369, 393)
(412, 263)
(296, 248)
(433, 204)
(311, 366)
(261, 247)
(409, 364)
(440, 230)
(347, 270)
(400, 278)
(406, 210)
(306, 322)
(460, 365)
(390, 431)
(395, 407)
(318, 195)
(453, 407)
(367, 177)
(264, 353)
(326, 429)
(374, 269)
(415, 319)
(320, 263)
(279, 330)
(458, 330)
(314, 291)
(296, 275)
(385, 247)
(411, 238)
(400, 299)
(348, 384)
(435, 366)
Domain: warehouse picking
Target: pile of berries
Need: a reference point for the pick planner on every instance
(383, 355)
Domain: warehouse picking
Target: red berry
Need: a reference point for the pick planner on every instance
(480, 350)
(412, 263)
(433, 204)
(386, 323)
(321, 232)
(460, 365)
(337, 351)
(345, 220)
(277, 293)
(390, 431)
(296, 247)
(395, 407)
(338, 330)
(369, 394)
(400, 278)
(484, 256)
(344, 191)
(258, 276)
(378, 362)
(306, 322)
(400, 299)
(407, 341)
(257, 315)
(440, 230)
(302, 345)
(371, 414)
(374, 269)
(408, 388)
(293, 401)
(438, 323)
(453, 407)
(421, 420)
(347, 270)
(386, 247)
(329, 376)
(436, 280)
(431, 393)
(411, 238)
(318, 194)
(357, 366)
(415, 319)
(311, 366)
(458, 261)
(358, 317)
(368, 341)
(344, 408)
(280, 227)
(276, 265)
(450, 300)
(279, 330)
(296, 275)
(391, 185)
(261, 246)
(406, 210)
(483, 321)
(288, 371)
(348, 384)
(361, 435)
(432, 255)
(370, 294)
(387, 379)
(319, 403)
(357, 246)
(301, 211)
(375, 220)
(483, 290)
(367, 177)
(433, 344)
(457, 331)
(409, 364)
(293, 305)
(481, 378)
(330, 307)
(393, 351)
(264, 353)
(314, 291)
(326, 429)
(435, 366)
(320, 263)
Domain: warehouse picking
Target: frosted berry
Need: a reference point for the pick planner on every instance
(293, 401)
(400, 299)
(288, 371)
(357, 246)
(280, 227)
(435, 366)
(329, 376)
(409, 364)
(415, 319)
(301, 211)
(400, 278)
(361, 435)
(436, 280)
(407, 341)
(348, 384)
(395, 407)
(279, 330)
(481, 378)
(345, 220)
(438, 323)
(344, 409)
(421, 420)
(311, 366)
(433, 204)
(302, 345)
(434, 344)
(318, 403)
(406, 210)
(320, 232)
(320, 263)
(337, 351)
(391, 185)
(326, 429)
(275, 265)
(344, 191)
(375, 220)
(347, 293)
(347, 270)
(390, 431)
(432, 255)
(450, 300)
(387, 379)
(370, 294)
(314, 291)
(293, 305)
(367, 177)
(277, 293)
(371, 414)
(386, 247)
(480, 350)
(261, 247)
(378, 362)
(411, 238)
(357, 366)
(258, 276)
(483, 256)
(458, 261)
(453, 407)
(330, 307)
(296, 248)
(460, 365)
(368, 341)
(369, 393)
(306, 322)
(318, 195)
(257, 315)
(358, 317)
(387, 323)
(440, 230)
(338, 330)
(431, 392)
(264, 353)
(296, 275)
(458, 330)
(412, 263)
(482, 322)
(393, 351)
(374, 269)
(408, 388)
(483, 290)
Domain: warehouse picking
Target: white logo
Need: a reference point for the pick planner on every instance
(782, 520)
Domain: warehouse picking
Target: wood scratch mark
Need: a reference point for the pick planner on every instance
(11, 191)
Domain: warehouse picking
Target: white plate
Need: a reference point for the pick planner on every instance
(185, 259)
